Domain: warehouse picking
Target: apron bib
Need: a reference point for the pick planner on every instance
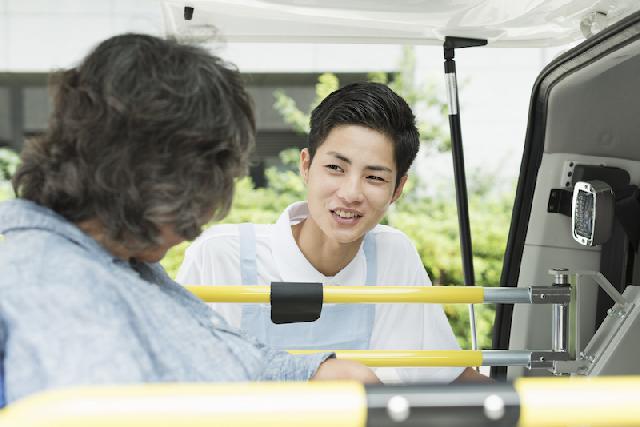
(340, 326)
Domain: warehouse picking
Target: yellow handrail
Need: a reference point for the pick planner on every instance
(579, 401)
(351, 294)
(543, 402)
(232, 293)
(406, 358)
(194, 405)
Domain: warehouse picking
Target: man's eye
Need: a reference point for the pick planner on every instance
(376, 178)
(334, 168)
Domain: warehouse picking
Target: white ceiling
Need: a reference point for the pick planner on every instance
(509, 23)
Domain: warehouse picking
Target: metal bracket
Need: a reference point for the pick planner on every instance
(599, 278)
(566, 177)
(586, 337)
(546, 359)
(566, 367)
(550, 295)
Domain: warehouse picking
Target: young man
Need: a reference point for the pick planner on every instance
(362, 142)
(144, 144)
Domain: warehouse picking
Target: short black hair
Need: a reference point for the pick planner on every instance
(144, 132)
(372, 105)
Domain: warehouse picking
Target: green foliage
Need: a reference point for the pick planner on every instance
(424, 99)
(9, 161)
(288, 108)
(289, 111)
(432, 224)
(6, 192)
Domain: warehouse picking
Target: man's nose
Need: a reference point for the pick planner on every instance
(351, 190)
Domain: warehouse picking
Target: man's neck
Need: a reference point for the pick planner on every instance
(327, 256)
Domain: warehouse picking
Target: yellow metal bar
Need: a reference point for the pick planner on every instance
(351, 294)
(404, 294)
(414, 358)
(232, 293)
(544, 402)
(315, 404)
(579, 401)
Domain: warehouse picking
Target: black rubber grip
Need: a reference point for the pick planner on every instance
(293, 302)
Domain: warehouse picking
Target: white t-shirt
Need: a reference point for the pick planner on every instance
(214, 259)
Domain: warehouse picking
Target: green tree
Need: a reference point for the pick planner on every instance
(431, 122)
(423, 98)
(9, 161)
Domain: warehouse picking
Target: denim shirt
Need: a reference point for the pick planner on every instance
(73, 314)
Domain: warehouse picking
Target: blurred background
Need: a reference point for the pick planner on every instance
(286, 80)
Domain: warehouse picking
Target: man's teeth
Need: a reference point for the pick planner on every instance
(343, 214)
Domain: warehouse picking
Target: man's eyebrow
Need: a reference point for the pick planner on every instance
(342, 157)
(339, 156)
(378, 168)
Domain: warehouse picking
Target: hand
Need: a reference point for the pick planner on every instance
(334, 369)
(470, 375)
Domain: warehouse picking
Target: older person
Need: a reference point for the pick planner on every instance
(142, 149)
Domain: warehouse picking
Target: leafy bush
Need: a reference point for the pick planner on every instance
(432, 224)
(9, 161)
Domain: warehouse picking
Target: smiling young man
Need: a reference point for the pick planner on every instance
(362, 141)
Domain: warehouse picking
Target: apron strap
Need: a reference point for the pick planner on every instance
(2, 398)
(371, 257)
(248, 263)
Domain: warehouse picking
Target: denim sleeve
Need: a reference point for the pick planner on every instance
(264, 363)
(278, 365)
(282, 366)
(2, 345)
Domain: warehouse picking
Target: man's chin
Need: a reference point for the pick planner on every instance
(347, 238)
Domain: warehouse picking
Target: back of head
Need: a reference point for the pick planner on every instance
(372, 105)
(144, 132)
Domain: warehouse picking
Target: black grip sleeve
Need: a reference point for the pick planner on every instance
(295, 302)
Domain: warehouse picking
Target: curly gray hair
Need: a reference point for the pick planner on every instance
(144, 132)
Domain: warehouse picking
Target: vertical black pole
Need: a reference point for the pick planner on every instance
(466, 249)
(458, 168)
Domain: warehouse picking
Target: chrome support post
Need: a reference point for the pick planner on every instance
(560, 313)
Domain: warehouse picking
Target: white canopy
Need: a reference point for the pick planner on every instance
(505, 23)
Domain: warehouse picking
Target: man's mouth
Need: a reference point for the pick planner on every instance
(346, 216)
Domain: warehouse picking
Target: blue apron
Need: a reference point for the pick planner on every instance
(2, 398)
(340, 326)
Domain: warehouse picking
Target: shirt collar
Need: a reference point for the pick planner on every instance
(24, 215)
(291, 262)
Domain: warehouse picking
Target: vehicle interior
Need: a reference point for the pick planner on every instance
(583, 127)
(582, 113)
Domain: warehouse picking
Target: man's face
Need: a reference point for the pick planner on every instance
(351, 182)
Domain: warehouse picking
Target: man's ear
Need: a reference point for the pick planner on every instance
(305, 164)
(398, 191)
